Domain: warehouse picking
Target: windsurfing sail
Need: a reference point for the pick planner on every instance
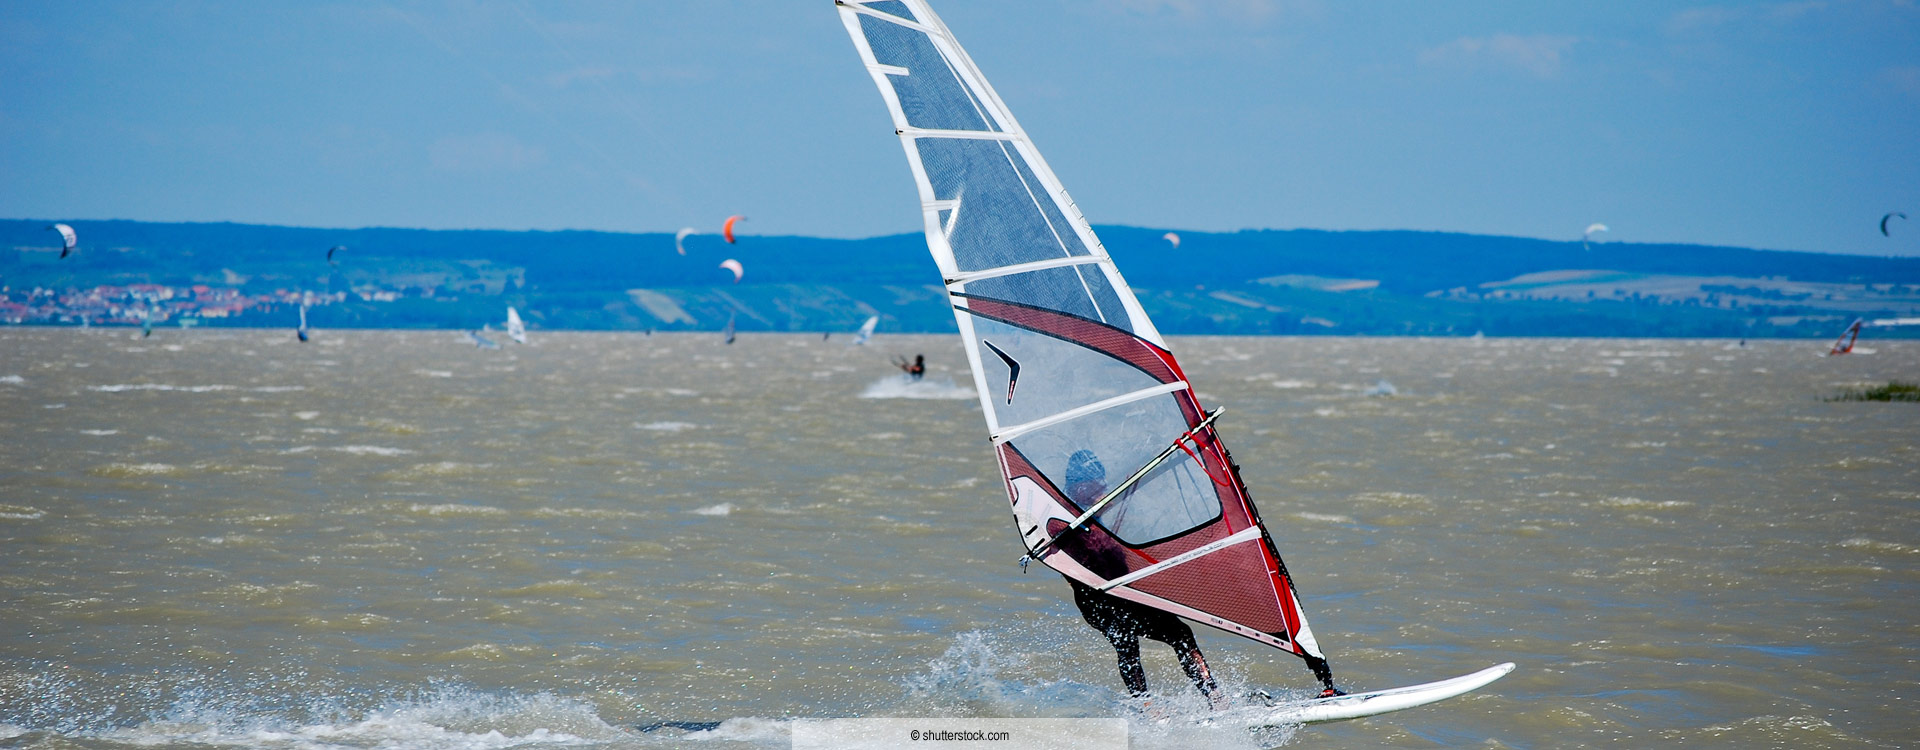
(516, 329)
(1117, 476)
(68, 240)
(1844, 345)
(727, 332)
(726, 230)
(680, 239)
(866, 331)
(330, 253)
(481, 341)
(739, 272)
(302, 332)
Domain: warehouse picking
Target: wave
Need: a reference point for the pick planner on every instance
(901, 386)
(358, 450)
(664, 426)
(122, 387)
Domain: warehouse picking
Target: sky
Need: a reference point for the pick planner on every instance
(1778, 125)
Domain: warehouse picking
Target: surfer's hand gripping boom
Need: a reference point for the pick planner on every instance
(1121, 488)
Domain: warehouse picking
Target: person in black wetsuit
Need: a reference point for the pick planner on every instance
(916, 370)
(1124, 622)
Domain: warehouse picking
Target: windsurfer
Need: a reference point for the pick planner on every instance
(1123, 622)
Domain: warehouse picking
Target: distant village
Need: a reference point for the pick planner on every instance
(157, 304)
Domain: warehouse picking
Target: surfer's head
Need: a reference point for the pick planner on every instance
(1085, 475)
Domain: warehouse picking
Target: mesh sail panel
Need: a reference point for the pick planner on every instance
(930, 95)
(1005, 216)
(1080, 291)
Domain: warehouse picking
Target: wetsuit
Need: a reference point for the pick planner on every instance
(1124, 623)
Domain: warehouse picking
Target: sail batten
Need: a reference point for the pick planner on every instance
(1078, 388)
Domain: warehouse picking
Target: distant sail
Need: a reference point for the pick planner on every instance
(1173, 238)
(726, 230)
(866, 331)
(729, 330)
(302, 332)
(1847, 339)
(1104, 430)
(1883, 222)
(481, 341)
(516, 329)
(68, 240)
(680, 239)
(739, 272)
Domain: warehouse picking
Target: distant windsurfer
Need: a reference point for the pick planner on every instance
(916, 369)
(1125, 622)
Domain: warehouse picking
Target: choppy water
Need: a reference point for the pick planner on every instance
(386, 539)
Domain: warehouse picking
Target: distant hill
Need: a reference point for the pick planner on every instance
(1250, 282)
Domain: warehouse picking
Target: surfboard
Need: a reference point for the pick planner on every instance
(1376, 702)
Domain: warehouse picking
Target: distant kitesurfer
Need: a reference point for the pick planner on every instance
(1123, 622)
(916, 369)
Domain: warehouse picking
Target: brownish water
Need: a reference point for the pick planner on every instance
(392, 539)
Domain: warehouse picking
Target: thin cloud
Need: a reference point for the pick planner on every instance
(1540, 55)
(1712, 17)
(566, 78)
(1244, 11)
(1904, 79)
(484, 152)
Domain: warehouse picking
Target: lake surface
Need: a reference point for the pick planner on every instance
(394, 539)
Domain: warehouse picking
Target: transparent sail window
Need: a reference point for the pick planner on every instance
(1075, 290)
(930, 96)
(1086, 456)
(1005, 218)
(1055, 375)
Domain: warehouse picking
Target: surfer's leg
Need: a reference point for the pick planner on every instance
(1325, 673)
(1126, 648)
(1194, 663)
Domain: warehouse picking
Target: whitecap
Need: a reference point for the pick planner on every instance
(715, 510)
(376, 450)
(99, 432)
(664, 426)
(13, 380)
(901, 386)
(433, 373)
(118, 388)
(455, 509)
(305, 415)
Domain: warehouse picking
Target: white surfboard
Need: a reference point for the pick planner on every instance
(1375, 702)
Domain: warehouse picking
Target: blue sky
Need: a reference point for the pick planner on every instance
(1784, 125)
